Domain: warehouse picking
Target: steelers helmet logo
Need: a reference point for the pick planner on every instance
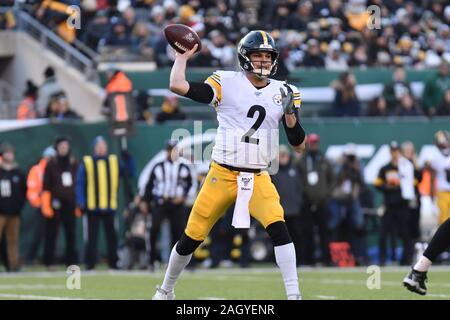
(277, 99)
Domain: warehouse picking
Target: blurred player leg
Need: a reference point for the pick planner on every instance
(266, 208)
(216, 195)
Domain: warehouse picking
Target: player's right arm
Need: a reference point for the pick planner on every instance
(178, 83)
(197, 91)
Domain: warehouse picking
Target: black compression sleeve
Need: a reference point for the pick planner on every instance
(295, 135)
(200, 92)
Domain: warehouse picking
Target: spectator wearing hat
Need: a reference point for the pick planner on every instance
(58, 202)
(27, 107)
(289, 186)
(50, 87)
(335, 61)
(317, 177)
(396, 181)
(12, 199)
(166, 190)
(35, 183)
(97, 195)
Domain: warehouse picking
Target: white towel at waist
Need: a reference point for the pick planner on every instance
(241, 214)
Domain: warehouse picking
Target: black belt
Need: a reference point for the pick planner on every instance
(239, 169)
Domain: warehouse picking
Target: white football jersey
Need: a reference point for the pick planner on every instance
(441, 164)
(247, 136)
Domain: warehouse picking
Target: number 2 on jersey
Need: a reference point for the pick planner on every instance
(247, 137)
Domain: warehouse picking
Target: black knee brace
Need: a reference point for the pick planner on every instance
(187, 245)
(279, 233)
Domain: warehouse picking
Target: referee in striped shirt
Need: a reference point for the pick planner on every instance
(169, 183)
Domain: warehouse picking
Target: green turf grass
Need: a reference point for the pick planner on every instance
(265, 284)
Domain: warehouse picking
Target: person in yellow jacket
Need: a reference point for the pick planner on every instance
(97, 196)
(35, 183)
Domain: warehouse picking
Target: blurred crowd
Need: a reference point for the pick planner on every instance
(397, 98)
(330, 210)
(332, 34)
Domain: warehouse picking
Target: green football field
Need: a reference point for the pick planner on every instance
(256, 283)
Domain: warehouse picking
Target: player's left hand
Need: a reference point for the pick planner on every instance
(287, 99)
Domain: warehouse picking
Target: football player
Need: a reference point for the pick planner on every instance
(249, 107)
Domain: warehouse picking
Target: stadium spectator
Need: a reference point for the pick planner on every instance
(97, 186)
(204, 58)
(378, 108)
(97, 29)
(165, 194)
(408, 107)
(357, 15)
(53, 107)
(119, 36)
(444, 108)
(55, 14)
(435, 88)
(346, 221)
(65, 112)
(335, 61)
(58, 202)
(7, 20)
(317, 176)
(141, 43)
(48, 88)
(170, 110)
(289, 186)
(220, 49)
(396, 181)
(12, 199)
(397, 88)
(313, 57)
(281, 19)
(346, 102)
(144, 101)
(212, 22)
(35, 182)
(27, 107)
(409, 152)
(299, 19)
(359, 57)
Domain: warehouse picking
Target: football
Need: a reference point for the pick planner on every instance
(182, 38)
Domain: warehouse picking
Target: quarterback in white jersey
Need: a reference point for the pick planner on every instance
(249, 109)
(247, 136)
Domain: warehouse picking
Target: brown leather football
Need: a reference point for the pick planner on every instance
(182, 38)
